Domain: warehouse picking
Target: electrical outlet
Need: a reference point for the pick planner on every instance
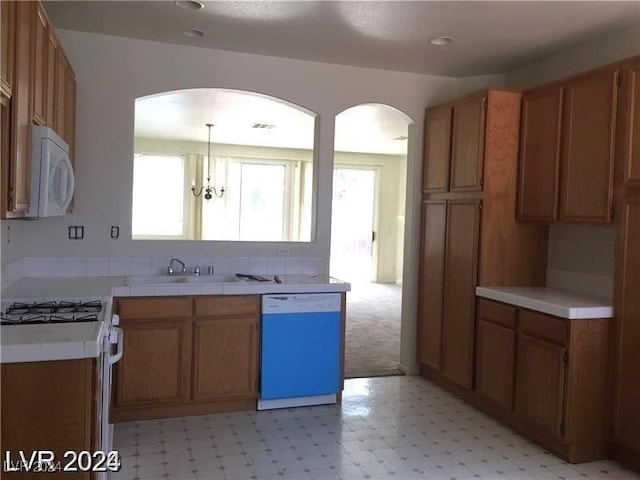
(283, 251)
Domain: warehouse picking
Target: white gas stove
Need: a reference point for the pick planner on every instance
(19, 313)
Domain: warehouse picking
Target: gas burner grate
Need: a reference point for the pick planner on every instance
(62, 307)
(31, 308)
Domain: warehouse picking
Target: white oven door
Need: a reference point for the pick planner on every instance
(112, 355)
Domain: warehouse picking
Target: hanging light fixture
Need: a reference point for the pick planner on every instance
(209, 189)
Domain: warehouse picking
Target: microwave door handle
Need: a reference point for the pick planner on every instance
(71, 183)
(116, 335)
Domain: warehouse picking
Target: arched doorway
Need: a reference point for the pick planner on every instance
(367, 232)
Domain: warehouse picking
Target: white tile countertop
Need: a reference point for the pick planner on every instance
(29, 343)
(550, 301)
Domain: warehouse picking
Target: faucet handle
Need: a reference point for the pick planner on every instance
(169, 270)
(196, 270)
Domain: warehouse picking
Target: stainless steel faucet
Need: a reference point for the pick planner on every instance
(170, 269)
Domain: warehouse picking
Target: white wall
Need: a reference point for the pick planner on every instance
(600, 51)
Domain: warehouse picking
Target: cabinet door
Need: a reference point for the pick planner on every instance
(7, 37)
(467, 145)
(19, 184)
(155, 366)
(539, 162)
(627, 329)
(225, 358)
(437, 150)
(495, 360)
(60, 103)
(434, 218)
(52, 63)
(39, 48)
(630, 124)
(588, 147)
(461, 272)
(69, 134)
(540, 379)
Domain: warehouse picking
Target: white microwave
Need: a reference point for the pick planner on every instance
(52, 178)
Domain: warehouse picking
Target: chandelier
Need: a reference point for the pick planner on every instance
(209, 190)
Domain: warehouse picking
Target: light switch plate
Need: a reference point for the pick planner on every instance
(283, 251)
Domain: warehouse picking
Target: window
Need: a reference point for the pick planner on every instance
(158, 196)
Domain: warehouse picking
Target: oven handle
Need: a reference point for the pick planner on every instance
(115, 337)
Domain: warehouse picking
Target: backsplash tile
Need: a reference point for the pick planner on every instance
(119, 266)
(578, 282)
(140, 266)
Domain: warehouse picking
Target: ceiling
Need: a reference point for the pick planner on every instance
(489, 37)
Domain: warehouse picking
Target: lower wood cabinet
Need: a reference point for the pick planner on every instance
(545, 376)
(49, 406)
(186, 355)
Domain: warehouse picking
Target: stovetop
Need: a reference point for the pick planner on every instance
(51, 312)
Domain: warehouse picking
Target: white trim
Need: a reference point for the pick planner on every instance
(297, 401)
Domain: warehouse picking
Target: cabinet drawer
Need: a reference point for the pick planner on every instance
(548, 327)
(155, 307)
(495, 312)
(227, 305)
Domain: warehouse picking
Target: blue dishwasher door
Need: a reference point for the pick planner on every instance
(300, 354)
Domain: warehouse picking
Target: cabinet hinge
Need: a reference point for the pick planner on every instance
(565, 357)
(480, 205)
(482, 182)
(618, 79)
(562, 429)
(484, 102)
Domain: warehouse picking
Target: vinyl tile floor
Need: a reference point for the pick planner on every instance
(394, 428)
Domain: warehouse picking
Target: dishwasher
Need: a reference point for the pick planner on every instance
(299, 350)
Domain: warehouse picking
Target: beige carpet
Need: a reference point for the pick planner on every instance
(373, 330)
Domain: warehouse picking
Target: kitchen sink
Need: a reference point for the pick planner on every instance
(179, 279)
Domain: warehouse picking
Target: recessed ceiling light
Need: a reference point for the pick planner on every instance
(192, 32)
(189, 4)
(263, 126)
(401, 137)
(442, 40)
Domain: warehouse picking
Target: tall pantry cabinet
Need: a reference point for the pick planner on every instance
(625, 415)
(469, 234)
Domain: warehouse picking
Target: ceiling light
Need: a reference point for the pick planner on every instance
(440, 41)
(209, 189)
(263, 126)
(189, 4)
(192, 32)
(401, 137)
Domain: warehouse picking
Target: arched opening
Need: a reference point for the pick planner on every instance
(367, 232)
(220, 164)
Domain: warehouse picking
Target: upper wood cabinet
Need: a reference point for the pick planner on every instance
(39, 85)
(40, 46)
(467, 144)
(539, 172)
(437, 150)
(454, 146)
(567, 147)
(588, 141)
(7, 44)
(629, 115)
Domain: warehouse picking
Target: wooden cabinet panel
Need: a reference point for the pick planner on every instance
(225, 358)
(437, 150)
(39, 47)
(539, 163)
(627, 329)
(51, 73)
(498, 313)
(630, 124)
(144, 307)
(540, 381)
(224, 305)
(21, 113)
(467, 145)
(588, 147)
(547, 327)
(156, 363)
(461, 255)
(7, 43)
(48, 406)
(69, 134)
(495, 361)
(60, 102)
(434, 220)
